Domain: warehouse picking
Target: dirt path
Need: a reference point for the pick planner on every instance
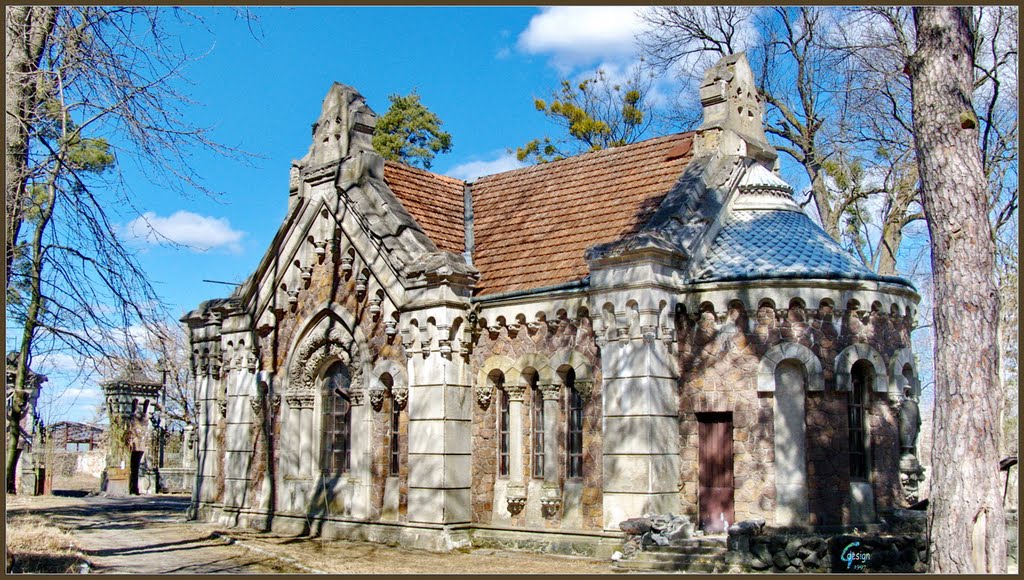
(149, 535)
(145, 535)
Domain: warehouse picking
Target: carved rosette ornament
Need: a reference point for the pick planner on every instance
(483, 396)
(400, 396)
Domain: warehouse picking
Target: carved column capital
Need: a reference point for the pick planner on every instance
(377, 397)
(550, 391)
(515, 392)
(584, 388)
(299, 400)
(256, 404)
(400, 396)
(356, 396)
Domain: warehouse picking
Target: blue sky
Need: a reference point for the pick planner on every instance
(479, 69)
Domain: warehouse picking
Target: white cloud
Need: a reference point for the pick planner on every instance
(201, 233)
(579, 35)
(472, 170)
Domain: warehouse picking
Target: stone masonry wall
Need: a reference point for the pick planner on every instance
(719, 374)
(719, 356)
(572, 334)
(328, 282)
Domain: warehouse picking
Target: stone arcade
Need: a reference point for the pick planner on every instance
(543, 353)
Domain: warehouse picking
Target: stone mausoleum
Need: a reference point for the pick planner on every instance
(543, 353)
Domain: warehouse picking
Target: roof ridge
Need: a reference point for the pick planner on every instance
(587, 155)
(422, 171)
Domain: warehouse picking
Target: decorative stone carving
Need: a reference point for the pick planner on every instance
(551, 500)
(356, 396)
(222, 406)
(515, 392)
(377, 398)
(374, 308)
(515, 498)
(293, 297)
(649, 333)
(275, 404)
(361, 285)
(584, 388)
(315, 350)
(347, 263)
(483, 396)
(251, 360)
(256, 404)
(320, 249)
(550, 391)
(300, 400)
(390, 328)
(400, 395)
(445, 346)
(910, 426)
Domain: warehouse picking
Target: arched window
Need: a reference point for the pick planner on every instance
(538, 433)
(337, 415)
(574, 432)
(503, 433)
(860, 385)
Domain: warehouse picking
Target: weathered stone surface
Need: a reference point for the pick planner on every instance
(636, 526)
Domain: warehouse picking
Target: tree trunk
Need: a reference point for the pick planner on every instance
(965, 518)
(28, 29)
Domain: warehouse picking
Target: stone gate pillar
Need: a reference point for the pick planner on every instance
(132, 399)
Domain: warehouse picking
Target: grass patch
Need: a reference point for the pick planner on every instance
(36, 546)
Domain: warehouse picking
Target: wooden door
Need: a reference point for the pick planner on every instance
(715, 487)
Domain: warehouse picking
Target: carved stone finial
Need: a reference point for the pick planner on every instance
(345, 126)
(733, 114)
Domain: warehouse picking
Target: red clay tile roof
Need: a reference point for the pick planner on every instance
(532, 225)
(435, 202)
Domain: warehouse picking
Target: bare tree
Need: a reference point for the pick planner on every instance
(78, 76)
(966, 518)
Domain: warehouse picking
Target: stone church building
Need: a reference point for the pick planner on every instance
(545, 352)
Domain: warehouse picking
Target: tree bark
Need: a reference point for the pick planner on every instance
(965, 518)
(28, 29)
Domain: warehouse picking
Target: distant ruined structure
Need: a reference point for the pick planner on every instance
(543, 353)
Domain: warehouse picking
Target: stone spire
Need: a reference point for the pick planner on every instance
(759, 188)
(345, 127)
(733, 114)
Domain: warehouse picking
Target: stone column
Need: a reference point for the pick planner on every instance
(516, 494)
(641, 419)
(552, 496)
(440, 425)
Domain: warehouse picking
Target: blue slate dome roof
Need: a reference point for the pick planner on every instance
(772, 243)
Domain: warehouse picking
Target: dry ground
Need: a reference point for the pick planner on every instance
(36, 546)
(344, 557)
(151, 536)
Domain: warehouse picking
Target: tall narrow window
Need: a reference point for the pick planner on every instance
(538, 432)
(503, 435)
(574, 445)
(858, 446)
(396, 416)
(337, 416)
